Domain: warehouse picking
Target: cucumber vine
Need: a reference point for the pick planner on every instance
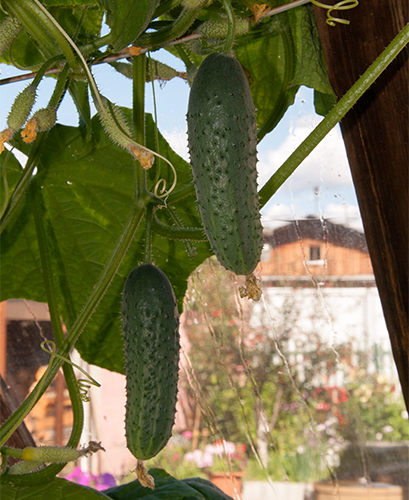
(61, 53)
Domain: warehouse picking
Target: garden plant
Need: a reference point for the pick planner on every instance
(94, 202)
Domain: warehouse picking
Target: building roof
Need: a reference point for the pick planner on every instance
(319, 230)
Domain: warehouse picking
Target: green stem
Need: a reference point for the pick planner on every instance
(169, 33)
(335, 115)
(138, 90)
(96, 44)
(148, 234)
(231, 18)
(176, 196)
(60, 87)
(178, 233)
(183, 55)
(11, 452)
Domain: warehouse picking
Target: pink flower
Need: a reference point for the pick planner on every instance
(322, 406)
(187, 434)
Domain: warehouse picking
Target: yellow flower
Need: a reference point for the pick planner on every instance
(29, 133)
(146, 158)
(5, 136)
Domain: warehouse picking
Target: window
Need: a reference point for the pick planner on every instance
(315, 253)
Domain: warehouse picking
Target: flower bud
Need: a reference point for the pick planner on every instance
(116, 127)
(217, 29)
(5, 136)
(21, 108)
(43, 119)
(24, 467)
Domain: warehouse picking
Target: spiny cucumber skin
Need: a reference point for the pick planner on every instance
(150, 321)
(222, 143)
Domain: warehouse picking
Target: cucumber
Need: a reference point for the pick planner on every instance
(150, 322)
(222, 142)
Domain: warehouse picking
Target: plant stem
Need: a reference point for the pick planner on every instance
(231, 26)
(138, 98)
(168, 33)
(334, 116)
(178, 233)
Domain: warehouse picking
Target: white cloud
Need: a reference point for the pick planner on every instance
(277, 215)
(326, 166)
(345, 214)
(178, 142)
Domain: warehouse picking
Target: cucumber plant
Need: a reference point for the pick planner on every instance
(76, 181)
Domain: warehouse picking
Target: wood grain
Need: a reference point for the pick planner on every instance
(376, 135)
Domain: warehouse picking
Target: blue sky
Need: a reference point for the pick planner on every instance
(322, 185)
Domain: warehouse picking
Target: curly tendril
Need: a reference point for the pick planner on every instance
(344, 5)
(83, 384)
(160, 190)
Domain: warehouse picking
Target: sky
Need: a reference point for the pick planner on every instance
(321, 185)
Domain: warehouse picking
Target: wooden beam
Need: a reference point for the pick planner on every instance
(376, 135)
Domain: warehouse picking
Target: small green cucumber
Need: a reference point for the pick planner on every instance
(222, 142)
(150, 322)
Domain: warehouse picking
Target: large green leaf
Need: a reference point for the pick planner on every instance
(57, 489)
(310, 66)
(87, 191)
(270, 71)
(128, 19)
(286, 56)
(168, 488)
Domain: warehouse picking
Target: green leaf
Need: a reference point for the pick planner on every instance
(88, 190)
(168, 488)
(288, 54)
(311, 70)
(323, 103)
(10, 171)
(57, 489)
(128, 19)
(268, 62)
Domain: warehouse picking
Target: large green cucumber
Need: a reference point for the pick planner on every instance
(150, 322)
(222, 143)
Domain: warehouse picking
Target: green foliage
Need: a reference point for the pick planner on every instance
(169, 488)
(82, 213)
(87, 189)
(57, 489)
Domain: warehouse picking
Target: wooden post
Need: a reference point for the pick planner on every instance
(376, 135)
